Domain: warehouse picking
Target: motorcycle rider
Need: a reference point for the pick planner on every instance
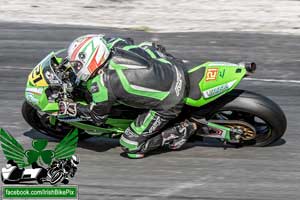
(117, 71)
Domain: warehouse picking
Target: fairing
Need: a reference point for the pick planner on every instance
(219, 79)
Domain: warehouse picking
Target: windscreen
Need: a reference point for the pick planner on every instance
(43, 74)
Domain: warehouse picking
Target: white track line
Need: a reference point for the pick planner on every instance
(272, 80)
(15, 67)
(170, 191)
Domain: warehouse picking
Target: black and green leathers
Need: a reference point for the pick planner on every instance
(139, 76)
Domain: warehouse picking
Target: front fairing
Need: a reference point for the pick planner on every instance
(38, 82)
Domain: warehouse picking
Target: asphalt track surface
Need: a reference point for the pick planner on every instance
(202, 170)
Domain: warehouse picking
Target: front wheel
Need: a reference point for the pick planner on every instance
(42, 124)
(56, 177)
(259, 111)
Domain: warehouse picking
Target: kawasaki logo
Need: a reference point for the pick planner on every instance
(218, 89)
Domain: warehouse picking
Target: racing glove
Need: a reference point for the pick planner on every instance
(67, 108)
(96, 112)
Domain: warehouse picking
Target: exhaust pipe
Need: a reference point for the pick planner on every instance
(249, 66)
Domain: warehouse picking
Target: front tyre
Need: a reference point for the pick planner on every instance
(41, 124)
(56, 177)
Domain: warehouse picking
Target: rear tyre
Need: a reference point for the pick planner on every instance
(41, 124)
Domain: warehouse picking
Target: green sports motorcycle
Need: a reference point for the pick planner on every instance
(225, 113)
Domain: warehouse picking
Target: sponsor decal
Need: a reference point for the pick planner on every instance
(178, 85)
(39, 164)
(30, 92)
(37, 91)
(155, 125)
(222, 73)
(216, 133)
(30, 98)
(211, 74)
(218, 89)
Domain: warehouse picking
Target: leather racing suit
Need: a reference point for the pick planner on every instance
(139, 76)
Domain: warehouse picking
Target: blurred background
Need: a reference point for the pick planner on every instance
(276, 16)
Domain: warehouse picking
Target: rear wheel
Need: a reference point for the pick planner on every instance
(260, 112)
(41, 123)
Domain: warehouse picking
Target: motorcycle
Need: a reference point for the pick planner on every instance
(223, 112)
(61, 170)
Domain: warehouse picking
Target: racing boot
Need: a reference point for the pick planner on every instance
(175, 137)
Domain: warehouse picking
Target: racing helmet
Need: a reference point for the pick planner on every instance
(86, 54)
(74, 160)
